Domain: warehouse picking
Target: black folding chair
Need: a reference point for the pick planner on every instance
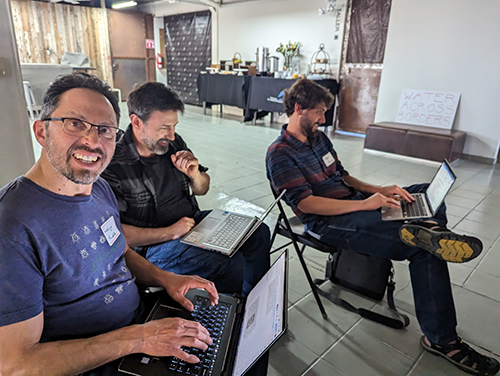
(293, 229)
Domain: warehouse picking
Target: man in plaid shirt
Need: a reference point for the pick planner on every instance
(155, 178)
(334, 205)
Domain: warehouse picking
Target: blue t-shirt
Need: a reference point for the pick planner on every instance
(64, 256)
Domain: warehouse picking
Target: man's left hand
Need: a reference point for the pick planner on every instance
(178, 285)
(186, 162)
(400, 193)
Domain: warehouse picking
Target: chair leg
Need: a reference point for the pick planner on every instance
(314, 288)
(273, 236)
(294, 240)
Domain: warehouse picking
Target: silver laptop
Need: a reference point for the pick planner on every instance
(426, 204)
(247, 329)
(224, 231)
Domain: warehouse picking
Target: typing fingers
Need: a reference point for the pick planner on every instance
(406, 195)
(391, 203)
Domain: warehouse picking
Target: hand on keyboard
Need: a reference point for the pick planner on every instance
(168, 337)
(396, 192)
(213, 318)
(378, 200)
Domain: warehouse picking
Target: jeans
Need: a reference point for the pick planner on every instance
(236, 274)
(367, 233)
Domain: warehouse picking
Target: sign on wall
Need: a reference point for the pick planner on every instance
(428, 108)
(150, 44)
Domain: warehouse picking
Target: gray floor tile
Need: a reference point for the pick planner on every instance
(299, 283)
(484, 284)
(461, 201)
(483, 231)
(345, 344)
(247, 194)
(322, 368)
(289, 357)
(360, 353)
(459, 273)
(456, 210)
(478, 315)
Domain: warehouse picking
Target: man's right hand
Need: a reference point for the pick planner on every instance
(378, 200)
(166, 336)
(181, 227)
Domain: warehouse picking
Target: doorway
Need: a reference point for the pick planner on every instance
(133, 63)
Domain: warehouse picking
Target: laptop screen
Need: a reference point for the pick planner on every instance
(264, 318)
(440, 185)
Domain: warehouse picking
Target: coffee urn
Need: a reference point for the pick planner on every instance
(273, 64)
(262, 53)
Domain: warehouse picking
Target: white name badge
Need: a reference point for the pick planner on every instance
(328, 159)
(110, 230)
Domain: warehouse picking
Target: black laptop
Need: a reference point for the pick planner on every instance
(242, 330)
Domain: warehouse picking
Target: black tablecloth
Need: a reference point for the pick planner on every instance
(252, 93)
(266, 94)
(226, 89)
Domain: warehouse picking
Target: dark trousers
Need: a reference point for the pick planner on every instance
(430, 279)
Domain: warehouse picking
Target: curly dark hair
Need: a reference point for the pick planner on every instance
(308, 94)
(76, 80)
(153, 96)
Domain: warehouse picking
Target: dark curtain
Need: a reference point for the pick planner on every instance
(368, 31)
(188, 49)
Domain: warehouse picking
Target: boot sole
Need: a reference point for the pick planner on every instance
(447, 246)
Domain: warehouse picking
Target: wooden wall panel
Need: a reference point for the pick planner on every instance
(44, 31)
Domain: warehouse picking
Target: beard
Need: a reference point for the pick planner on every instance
(61, 163)
(155, 146)
(308, 128)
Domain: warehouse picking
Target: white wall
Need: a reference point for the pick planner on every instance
(16, 151)
(245, 26)
(450, 46)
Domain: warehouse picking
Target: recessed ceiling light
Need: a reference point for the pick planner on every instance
(125, 4)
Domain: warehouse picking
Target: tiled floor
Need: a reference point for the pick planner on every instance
(345, 344)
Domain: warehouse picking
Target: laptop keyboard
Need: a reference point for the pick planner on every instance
(214, 320)
(228, 233)
(415, 208)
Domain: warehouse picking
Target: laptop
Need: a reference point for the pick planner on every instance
(244, 329)
(224, 231)
(426, 204)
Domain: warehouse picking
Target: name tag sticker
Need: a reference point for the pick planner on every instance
(328, 159)
(110, 230)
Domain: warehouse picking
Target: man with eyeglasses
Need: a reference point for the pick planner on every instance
(155, 178)
(68, 288)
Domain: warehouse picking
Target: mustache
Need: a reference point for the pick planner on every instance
(170, 144)
(99, 151)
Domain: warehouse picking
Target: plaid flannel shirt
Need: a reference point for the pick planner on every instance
(305, 169)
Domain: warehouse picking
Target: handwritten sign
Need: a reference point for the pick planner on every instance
(429, 108)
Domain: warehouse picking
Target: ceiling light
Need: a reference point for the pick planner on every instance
(125, 4)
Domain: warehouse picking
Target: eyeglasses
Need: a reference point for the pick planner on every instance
(82, 128)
